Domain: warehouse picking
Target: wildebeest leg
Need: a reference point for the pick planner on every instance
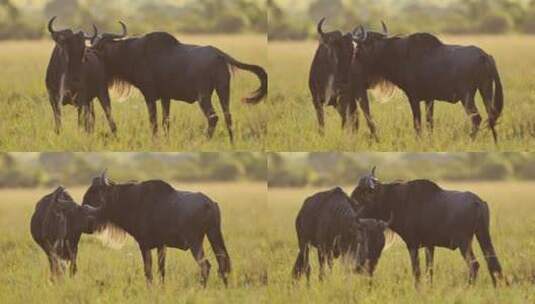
(54, 269)
(166, 107)
(56, 110)
(471, 261)
(151, 108)
(318, 106)
(80, 110)
(341, 107)
(104, 99)
(330, 259)
(416, 115)
(485, 242)
(365, 106)
(205, 102)
(147, 263)
(161, 262)
(91, 116)
(72, 258)
(415, 263)
(354, 115)
(471, 110)
(223, 92)
(429, 109)
(321, 259)
(429, 257)
(198, 254)
(486, 94)
(301, 263)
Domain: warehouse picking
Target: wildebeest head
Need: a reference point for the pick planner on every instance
(104, 42)
(366, 189)
(373, 242)
(64, 216)
(370, 44)
(72, 48)
(99, 193)
(340, 52)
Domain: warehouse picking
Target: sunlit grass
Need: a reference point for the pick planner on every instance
(296, 127)
(512, 229)
(109, 275)
(26, 122)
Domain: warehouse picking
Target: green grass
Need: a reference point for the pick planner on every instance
(107, 275)
(512, 228)
(26, 121)
(293, 125)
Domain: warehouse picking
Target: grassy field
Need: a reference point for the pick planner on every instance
(293, 123)
(109, 275)
(26, 121)
(512, 230)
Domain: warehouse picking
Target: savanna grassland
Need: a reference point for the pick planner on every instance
(512, 230)
(293, 125)
(108, 275)
(26, 120)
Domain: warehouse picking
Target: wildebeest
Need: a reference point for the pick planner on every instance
(328, 222)
(426, 69)
(425, 215)
(162, 67)
(57, 224)
(158, 216)
(66, 57)
(80, 80)
(330, 79)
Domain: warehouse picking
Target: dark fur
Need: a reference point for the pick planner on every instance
(158, 216)
(66, 57)
(428, 216)
(56, 226)
(427, 70)
(163, 68)
(333, 59)
(328, 222)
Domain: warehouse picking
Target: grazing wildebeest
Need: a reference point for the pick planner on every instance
(77, 75)
(158, 216)
(57, 224)
(428, 216)
(162, 67)
(66, 57)
(330, 79)
(328, 222)
(426, 69)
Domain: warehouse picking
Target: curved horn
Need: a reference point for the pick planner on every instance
(95, 33)
(50, 25)
(385, 29)
(373, 171)
(104, 177)
(320, 25)
(118, 36)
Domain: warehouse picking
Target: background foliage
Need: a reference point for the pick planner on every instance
(326, 169)
(25, 18)
(71, 169)
(296, 19)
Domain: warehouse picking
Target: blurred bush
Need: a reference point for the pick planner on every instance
(19, 21)
(327, 169)
(68, 168)
(291, 21)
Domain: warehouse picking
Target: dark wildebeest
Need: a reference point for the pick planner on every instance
(426, 215)
(76, 75)
(330, 78)
(328, 222)
(163, 68)
(57, 224)
(158, 216)
(66, 57)
(427, 69)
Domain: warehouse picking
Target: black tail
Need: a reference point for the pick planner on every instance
(301, 263)
(497, 105)
(215, 237)
(261, 92)
(483, 237)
